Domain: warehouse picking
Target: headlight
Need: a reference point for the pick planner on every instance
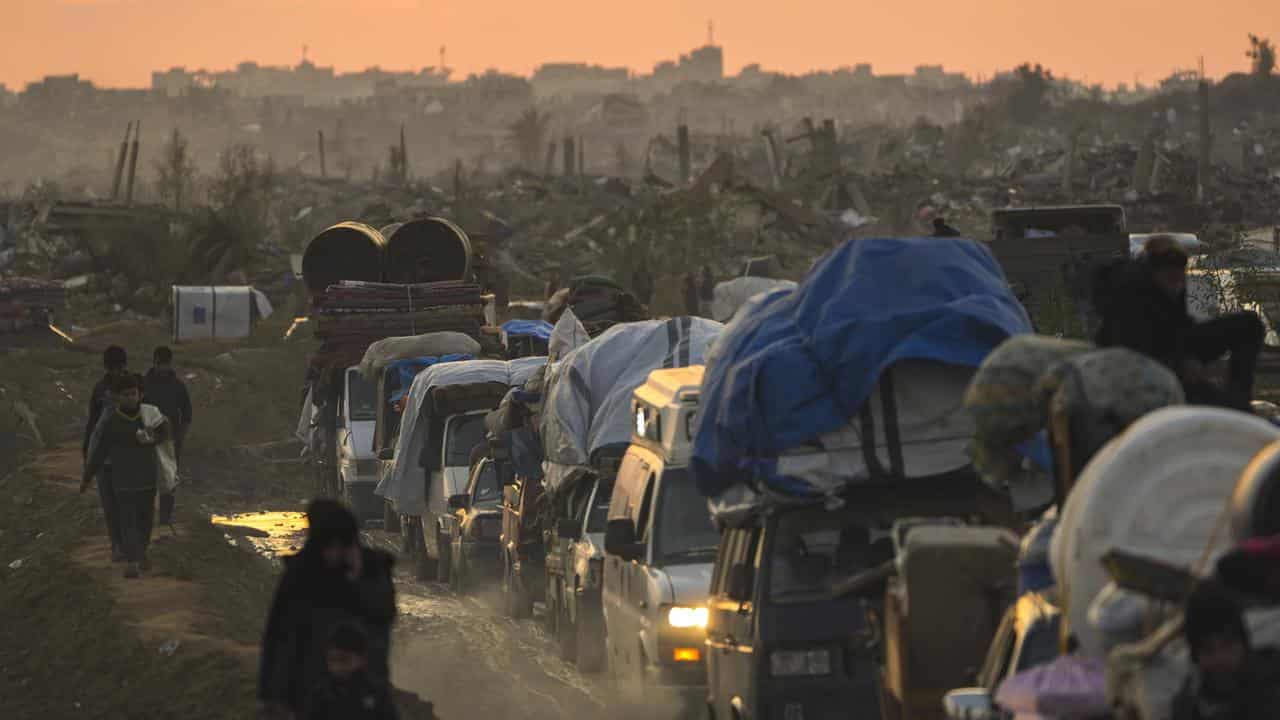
(791, 663)
(687, 617)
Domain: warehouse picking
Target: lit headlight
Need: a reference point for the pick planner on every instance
(791, 663)
(687, 617)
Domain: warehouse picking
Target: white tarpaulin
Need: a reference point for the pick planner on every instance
(405, 486)
(733, 294)
(388, 350)
(589, 404)
(567, 335)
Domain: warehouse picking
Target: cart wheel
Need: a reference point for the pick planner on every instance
(442, 562)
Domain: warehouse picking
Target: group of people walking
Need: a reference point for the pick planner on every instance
(132, 444)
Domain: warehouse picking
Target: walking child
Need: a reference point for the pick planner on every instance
(115, 363)
(349, 692)
(126, 441)
(165, 390)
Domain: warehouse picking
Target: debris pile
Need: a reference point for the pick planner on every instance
(25, 302)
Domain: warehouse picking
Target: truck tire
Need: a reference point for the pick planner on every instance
(515, 601)
(566, 635)
(589, 642)
(443, 561)
(390, 518)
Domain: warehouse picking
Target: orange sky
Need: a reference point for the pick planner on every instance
(119, 42)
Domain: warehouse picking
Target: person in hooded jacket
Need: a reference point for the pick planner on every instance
(1232, 680)
(166, 391)
(333, 580)
(1144, 308)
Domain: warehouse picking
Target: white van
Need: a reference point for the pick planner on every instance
(357, 463)
(660, 547)
(448, 476)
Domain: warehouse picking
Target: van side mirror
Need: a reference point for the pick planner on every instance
(569, 529)
(739, 582)
(387, 454)
(969, 704)
(620, 539)
(458, 502)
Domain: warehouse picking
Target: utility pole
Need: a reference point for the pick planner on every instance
(682, 141)
(1206, 138)
(133, 164)
(120, 160)
(320, 134)
(404, 157)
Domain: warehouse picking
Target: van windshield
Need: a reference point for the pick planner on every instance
(682, 529)
(814, 549)
(362, 396)
(465, 432)
(488, 490)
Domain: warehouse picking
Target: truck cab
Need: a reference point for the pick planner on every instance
(660, 548)
(357, 462)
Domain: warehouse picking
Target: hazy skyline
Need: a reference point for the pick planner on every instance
(119, 43)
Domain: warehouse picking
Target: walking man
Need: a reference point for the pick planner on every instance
(165, 390)
(130, 445)
(115, 363)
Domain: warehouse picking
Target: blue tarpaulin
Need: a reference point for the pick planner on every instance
(540, 329)
(409, 369)
(803, 362)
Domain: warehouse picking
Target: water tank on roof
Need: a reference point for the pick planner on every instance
(346, 251)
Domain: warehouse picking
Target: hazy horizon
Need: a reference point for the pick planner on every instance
(118, 43)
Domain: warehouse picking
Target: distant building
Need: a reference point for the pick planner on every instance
(317, 85)
(569, 79)
(58, 92)
(933, 77)
(705, 64)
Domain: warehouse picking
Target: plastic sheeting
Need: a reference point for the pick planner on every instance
(405, 485)
(803, 363)
(733, 294)
(388, 350)
(410, 368)
(540, 329)
(567, 335)
(588, 405)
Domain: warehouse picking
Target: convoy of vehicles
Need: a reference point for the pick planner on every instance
(778, 534)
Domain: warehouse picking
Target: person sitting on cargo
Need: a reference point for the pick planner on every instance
(1143, 304)
(1231, 680)
(942, 229)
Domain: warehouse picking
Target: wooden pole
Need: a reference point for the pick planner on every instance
(320, 140)
(550, 164)
(133, 164)
(570, 161)
(120, 159)
(404, 157)
(1202, 169)
(686, 164)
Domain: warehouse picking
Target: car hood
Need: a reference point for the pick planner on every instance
(690, 584)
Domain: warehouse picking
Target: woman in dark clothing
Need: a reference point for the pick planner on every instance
(331, 581)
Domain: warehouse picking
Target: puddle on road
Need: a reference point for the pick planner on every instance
(272, 534)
